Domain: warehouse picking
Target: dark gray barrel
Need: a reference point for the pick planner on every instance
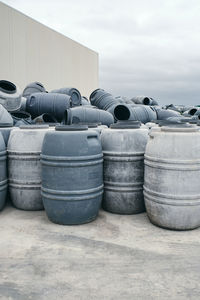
(33, 87)
(3, 173)
(10, 96)
(51, 103)
(163, 114)
(87, 115)
(144, 100)
(45, 118)
(123, 149)
(102, 99)
(140, 113)
(21, 118)
(72, 92)
(73, 154)
(24, 168)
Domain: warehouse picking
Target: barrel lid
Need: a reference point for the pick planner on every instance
(34, 126)
(126, 125)
(73, 127)
(184, 127)
(4, 125)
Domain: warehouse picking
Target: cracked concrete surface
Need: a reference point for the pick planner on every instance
(113, 257)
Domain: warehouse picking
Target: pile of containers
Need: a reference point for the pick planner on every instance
(69, 155)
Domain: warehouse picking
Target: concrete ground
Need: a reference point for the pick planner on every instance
(114, 257)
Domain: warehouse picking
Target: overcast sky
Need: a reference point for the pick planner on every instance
(146, 47)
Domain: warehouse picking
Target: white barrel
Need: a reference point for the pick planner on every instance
(172, 177)
(24, 167)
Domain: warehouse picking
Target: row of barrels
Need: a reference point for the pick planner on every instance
(72, 170)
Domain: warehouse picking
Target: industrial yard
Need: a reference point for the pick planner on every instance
(113, 257)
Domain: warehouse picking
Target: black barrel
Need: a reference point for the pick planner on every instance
(140, 113)
(102, 99)
(85, 114)
(72, 174)
(72, 92)
(51, 103)
(144, 100)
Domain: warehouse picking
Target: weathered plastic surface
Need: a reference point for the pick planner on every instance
(45, 119)
(140, 113)
(10, 96)
(21, 118)
(5, 131)
(102, 99)
(24, 168)
(72, 175)
(144, 100)
(72, 92)
(123, 149)
(23, 104)
(172, 172)
(51, 103)
(163, 114)
(87, 115)
(33, 87)
(3, 173)
(5, 116)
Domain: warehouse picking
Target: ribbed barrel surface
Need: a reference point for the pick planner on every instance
(72, 175)
(3, 173)
(123, 150)
(172, 176)
(24, 148)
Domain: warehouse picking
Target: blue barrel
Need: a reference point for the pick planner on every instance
(72, 92)
(72, 174)
(3, 173)
(51, 103)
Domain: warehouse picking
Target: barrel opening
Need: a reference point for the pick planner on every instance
(146, 101)
(48, 118)
(121, 112)
(21, 115)
(7, 86)
(192, 111)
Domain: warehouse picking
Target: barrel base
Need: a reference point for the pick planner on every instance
(26, 199)
(123, 203)
(178, 218)
(72, 212)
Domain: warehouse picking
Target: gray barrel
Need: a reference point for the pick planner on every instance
(5, 117)
(24, 168)
(102, 99)
(5, 130)
(85, 101)
(163, 114)
(172, 176)
(51, 103)
(3, 173)
(33, 87)
(123, 149)
(73, 154)
(72, 92)
(140, 113)
(10, 96)
(144, 100)
(87, 115)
